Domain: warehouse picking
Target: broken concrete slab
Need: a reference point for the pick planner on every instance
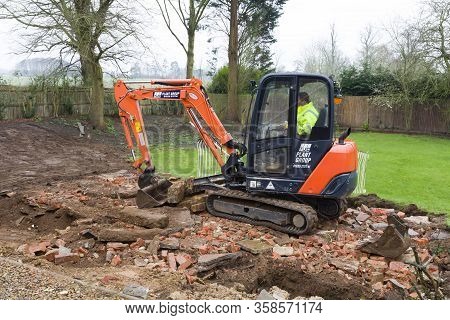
(175, 193)
(279, 294)
(210, 261)
(136, 290)
(198, 207)
(440, 235)
(282, 240)
(350, 266)
(127, 235)
(127, 193)
(147, 218)
(379, 226)
(283, 251)
(170, 244)
(179, 217)
(264, 295)
(153, 245)
(362, 217)
(412, 233)
(419, 220)
(254, 246)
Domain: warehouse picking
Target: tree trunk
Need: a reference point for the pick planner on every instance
(190, 54)
(233, 110)
(94, 79)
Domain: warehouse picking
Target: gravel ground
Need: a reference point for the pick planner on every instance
(24, 282)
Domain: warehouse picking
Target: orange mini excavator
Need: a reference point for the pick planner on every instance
(288, 179)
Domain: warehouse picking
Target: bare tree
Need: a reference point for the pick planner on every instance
(88, 31)
(435, 32)
(190, 18)
(323, 57)
(408, 61)
(368, 46)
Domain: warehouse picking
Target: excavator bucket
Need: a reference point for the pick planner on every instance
(153, 192)
(392, 243)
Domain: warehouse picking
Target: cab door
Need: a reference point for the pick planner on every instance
(271, 134)
(280, 159)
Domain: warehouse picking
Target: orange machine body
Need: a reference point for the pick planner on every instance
(341, 158)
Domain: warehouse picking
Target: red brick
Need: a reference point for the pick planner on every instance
(185, 265)
(60, 243)
(116, 260)
(180, 259)
(172, 261)
(421, 241)
(204, 249)
(190, 279)
(118, 246)
(38, 248)
(106, 279)
(401, 214)
(82, 250)
(139, 243)
(398, 266)
(50, 255)
(377, 265)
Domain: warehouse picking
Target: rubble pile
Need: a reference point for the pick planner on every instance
(95, 224)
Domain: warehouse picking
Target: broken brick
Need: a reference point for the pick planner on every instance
(67, 257)
(136, 245)
(398, 266)
(60, 243)
(377, 265)
(116, 260)
(82, 250)
(117, 246)
(172, 262)
(38, 248)
(106, 279)
(50, 255)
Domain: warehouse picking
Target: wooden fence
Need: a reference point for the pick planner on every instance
(26, 102)
(362, 113)
(355, 112)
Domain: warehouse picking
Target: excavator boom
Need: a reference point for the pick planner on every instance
(192, 96)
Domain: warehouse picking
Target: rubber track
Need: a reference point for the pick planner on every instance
(307, 211)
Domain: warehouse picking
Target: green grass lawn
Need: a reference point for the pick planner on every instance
(403, 168)
(408, 168)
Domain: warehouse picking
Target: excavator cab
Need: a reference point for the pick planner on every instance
(283, 156)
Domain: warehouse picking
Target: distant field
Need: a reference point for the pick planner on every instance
(408, 168)
(403, 168)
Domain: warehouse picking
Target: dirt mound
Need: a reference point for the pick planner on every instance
(372, 200)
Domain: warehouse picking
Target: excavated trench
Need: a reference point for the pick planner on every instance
(263, 273)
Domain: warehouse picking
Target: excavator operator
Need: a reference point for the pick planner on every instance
(307, 115)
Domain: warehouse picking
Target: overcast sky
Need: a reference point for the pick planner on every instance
(302, 23)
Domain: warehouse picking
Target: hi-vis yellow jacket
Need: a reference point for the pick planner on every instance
(306, 118)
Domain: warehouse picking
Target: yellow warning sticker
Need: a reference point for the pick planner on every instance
(137, 126)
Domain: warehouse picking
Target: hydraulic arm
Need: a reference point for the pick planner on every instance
(192, 96)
